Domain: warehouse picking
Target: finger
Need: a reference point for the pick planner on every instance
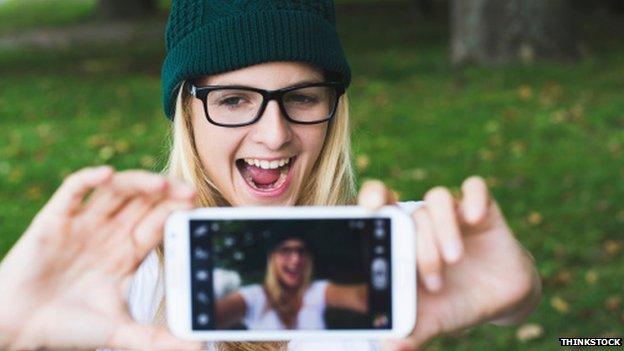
(441, 206)
(429, 262)
(374, 194)
(134, 336)
(149, 232)
(68, 198)
(108, 199)
(475, 200)
(180, 190)
(398, 345)
(133, 211)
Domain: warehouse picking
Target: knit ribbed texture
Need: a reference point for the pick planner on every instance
(214, 36)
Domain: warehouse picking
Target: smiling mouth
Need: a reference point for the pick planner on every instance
(264, 175)
(294, 273)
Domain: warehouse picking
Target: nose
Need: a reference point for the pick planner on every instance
(272, 130)
(295, 258)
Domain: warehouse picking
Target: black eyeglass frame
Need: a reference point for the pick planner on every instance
(202, 92)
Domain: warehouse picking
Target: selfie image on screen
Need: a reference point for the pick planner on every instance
(305, 274)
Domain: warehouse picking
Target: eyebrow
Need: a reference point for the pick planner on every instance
(301, 82)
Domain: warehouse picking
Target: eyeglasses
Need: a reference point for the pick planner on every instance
(238, 106)
(286, 251)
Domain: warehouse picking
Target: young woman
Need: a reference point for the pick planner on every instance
(256, 93)
(289, 297)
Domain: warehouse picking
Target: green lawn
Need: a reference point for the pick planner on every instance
(549, 138)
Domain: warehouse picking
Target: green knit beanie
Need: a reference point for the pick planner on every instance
(205, 37)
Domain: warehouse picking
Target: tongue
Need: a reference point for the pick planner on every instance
(263, 176)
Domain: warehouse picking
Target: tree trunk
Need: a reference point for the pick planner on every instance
(122, 9)
(496, 32)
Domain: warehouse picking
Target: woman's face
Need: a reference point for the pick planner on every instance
(236, 159)
(291, 262)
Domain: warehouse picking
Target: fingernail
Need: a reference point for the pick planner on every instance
(372, 200)
(452, 252)
(433, 282)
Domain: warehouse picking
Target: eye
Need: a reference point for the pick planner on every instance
(301, 99)
(231, 101)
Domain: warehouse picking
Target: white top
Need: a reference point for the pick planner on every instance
(259, 317)
(147, 290)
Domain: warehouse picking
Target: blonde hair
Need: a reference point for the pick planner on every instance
(331, 181)
(284, 305)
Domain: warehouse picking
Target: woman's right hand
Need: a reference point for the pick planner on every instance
(64, 284)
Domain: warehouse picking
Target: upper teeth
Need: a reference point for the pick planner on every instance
(265, 164)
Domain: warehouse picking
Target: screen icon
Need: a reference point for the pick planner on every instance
(201, 254)
(202, 275)
(200, 231)
(380, 250)
(380, 233)
(379, 274)
(203, 319)
(202, 297)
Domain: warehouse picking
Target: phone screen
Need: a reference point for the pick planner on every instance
(304, 274)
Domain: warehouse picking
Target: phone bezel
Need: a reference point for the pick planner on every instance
(178, 286)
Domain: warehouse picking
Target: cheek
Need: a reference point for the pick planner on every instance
(312, 138)
(214, 145)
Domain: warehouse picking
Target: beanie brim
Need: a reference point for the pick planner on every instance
(247, 39)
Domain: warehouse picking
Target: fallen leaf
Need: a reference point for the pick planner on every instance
(16, 175)
(563, 277)
(486, 155)
(529, 331)
(525, 92)
(612, 247)
(534, 218)
(560, 305)
(34, 193)
(122, 146)
(613, 302)
(517, 148)
(97, 140)
(417, 174)
(106, 153)
(362, 162)
(591, 277)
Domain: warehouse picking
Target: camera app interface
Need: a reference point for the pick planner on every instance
(305, 274)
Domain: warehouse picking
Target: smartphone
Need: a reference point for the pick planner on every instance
(288, 273)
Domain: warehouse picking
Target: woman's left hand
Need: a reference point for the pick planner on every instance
(471, 268)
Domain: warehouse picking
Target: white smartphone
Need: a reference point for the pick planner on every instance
(288, 273)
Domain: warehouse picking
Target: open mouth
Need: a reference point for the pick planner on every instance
(293, 273)
(266, 176)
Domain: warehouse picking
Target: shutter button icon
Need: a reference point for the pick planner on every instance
(379, 274)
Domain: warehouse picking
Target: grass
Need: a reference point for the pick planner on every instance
(549, 138)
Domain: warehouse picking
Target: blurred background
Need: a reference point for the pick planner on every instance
(526, 93)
